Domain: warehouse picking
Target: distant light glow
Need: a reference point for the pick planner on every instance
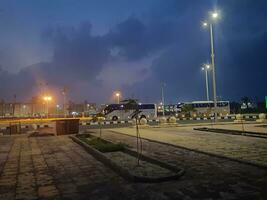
(205, 66)
(214, 15)
(47, 98)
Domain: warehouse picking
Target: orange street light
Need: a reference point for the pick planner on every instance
(47, 98)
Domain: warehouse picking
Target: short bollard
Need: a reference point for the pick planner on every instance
(172, 120)
(143, 121)
(239, 118)
(262, 118)
(162, 120)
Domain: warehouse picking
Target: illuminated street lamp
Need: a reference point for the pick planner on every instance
(47, 99)
(214, 17)
(205, 68)
(118, 94)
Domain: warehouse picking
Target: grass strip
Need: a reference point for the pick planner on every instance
(102, 145)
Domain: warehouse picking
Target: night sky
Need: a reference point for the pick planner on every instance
(95, 47)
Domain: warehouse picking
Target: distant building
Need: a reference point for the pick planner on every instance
(82, 109)
(23, 110)
(38, 108)
(6, 109)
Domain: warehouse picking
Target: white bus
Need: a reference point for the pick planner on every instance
(118, 112)
(207, 107)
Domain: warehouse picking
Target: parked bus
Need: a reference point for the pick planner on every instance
(119, 112)
(207, 107)
(169, 110)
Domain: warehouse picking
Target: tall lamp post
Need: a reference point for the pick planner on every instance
(47, 99)
(162, 98)
(64, 93)
(205, 68)
(214, 17)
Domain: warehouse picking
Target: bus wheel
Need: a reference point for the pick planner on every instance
(114, 118)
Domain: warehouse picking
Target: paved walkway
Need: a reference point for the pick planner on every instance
(207, 177)
(234, 146)
(57, 168)
(54, 168)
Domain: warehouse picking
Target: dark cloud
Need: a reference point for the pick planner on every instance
(78, 56)
(136, 39)
(171, 36)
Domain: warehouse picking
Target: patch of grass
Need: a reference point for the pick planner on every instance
(102, 145)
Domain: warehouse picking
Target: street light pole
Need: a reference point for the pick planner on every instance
(47, 99)
(214, 16)
(213, 71)
(206, 68)
(207, 85)
(64, 93)
(64, 104)
(47, 107)
(118, 97)
(162, 98)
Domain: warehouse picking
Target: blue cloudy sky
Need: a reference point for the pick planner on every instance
(95, 47)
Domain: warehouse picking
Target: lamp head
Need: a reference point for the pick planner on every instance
(214, 15)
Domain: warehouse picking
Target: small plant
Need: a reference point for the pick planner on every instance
(98, 116)
(132, 104)
(104, 146)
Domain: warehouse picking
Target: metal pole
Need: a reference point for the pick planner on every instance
(213, 72)
(162, 99)
(118, 99)
(47, 108)
(64, 104)
(207, 85)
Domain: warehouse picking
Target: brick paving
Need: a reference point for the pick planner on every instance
(57, 168)
(206, 176)
(233, 146)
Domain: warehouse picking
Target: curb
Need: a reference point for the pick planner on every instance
(233, 132)
(125, 173)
